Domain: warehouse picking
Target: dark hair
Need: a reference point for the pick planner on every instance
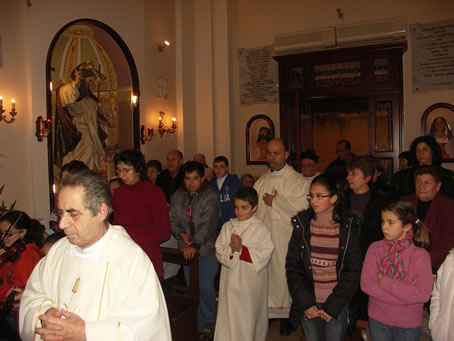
(73, 166)
(346, 143)
(248, 194)
(433, 145)
(405, 212)
(309, 155)
(96, 190)
(329, 182)
(117, 180)
(134, 158)
(267, 137)
(21, 221)
(84, 72)
(156, 164)
(405, 155)
(362, 163)
(53, 238)
(221, 158)
(447, 127)
(247, 176)
(378, 165)
(191, 166)
(432, 170)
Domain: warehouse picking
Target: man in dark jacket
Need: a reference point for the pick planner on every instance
(194, 215)
(171, 178)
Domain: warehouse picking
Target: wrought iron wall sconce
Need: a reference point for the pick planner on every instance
(43, 128)
(163, 46)
(146, 137)
(163, 129)
(12, 113)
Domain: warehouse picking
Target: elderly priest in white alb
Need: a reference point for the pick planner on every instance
(96, 284)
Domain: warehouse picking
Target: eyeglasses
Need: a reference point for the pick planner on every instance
(119, 171)
(9, 234)
(317, 196)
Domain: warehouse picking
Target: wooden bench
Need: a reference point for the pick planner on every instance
(182, 309)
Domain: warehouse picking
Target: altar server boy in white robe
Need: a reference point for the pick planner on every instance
(244, 249)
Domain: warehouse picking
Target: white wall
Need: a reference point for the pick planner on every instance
(159, 26)
(16, 139)
(255, 22)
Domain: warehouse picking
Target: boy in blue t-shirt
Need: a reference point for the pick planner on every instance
(225, 185)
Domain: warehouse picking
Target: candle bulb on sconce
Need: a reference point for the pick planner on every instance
(12, 113)
(163, 129)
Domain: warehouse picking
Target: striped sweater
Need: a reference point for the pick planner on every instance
(324, 253)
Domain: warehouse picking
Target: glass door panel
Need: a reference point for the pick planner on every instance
(327, 121)
(383, 127)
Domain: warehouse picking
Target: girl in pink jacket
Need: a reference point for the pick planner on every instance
(397, 275)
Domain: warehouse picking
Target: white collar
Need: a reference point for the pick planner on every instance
(90, 252)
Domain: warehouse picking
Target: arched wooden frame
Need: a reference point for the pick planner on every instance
(253, 126)
(446, 112)
(134, 82)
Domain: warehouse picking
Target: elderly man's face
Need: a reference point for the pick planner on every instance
(174, 162)
(79, 224)
(276, 155)
(426, 187)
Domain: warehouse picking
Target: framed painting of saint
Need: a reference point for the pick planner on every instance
(437, 121)
(259, 131)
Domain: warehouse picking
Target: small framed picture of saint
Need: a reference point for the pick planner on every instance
(259, 131)
(437, 121)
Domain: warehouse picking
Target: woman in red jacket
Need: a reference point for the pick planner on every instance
(141, 207)
(24, 236)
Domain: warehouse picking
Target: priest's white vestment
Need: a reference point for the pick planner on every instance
(111, 284)
(291, 198)
(243, 288)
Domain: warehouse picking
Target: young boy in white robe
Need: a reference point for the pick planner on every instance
(244, 249)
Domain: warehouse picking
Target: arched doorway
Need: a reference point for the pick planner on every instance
(90, 45)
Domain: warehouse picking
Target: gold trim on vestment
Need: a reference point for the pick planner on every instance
(102, 292)
(38, 312)
(118, 330)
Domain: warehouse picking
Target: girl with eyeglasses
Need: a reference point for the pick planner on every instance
(323, 264)
(21, 239)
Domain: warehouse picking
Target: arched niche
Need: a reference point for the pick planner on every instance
(116, 82)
